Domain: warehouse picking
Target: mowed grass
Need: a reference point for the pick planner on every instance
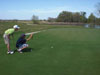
(57, 51)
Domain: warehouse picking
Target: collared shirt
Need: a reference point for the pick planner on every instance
(9, 31)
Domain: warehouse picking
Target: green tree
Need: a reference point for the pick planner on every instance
(65, 16)
(98, 21)
(76, 17)
(83, 17)
(51, 19)
(92, 18)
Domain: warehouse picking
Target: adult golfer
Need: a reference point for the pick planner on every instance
(7, 35)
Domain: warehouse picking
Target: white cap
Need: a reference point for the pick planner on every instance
(16, 26)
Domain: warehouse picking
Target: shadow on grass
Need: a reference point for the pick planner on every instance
(25, 50)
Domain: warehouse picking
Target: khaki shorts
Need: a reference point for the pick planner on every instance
(6, 39)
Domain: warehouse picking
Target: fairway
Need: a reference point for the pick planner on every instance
(57, 51)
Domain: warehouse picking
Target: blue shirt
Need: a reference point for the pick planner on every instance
(20, 42)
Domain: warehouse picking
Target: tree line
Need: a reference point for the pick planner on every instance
(67, 16)
(74, 17)
(79, 17)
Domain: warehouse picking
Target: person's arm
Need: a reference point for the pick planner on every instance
(12, 36)
(8, 36)
(29, 37)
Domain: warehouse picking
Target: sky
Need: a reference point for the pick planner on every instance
(25, 9)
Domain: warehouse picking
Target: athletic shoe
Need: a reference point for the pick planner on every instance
(10, 52)
(19, 50)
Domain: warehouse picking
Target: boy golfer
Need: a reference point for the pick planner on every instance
(7, 35)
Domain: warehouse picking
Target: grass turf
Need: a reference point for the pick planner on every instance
(58, 51)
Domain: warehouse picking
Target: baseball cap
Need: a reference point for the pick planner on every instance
(16, 26)
(22, 35)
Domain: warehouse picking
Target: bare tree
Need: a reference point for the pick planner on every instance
(35, 19)
(98, 9)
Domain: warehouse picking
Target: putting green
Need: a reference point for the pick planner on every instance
(59, 51)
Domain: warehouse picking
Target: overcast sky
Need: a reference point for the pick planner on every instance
(24, 9)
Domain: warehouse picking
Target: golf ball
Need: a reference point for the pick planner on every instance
(51, 46)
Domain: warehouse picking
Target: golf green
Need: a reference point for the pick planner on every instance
(58, 51)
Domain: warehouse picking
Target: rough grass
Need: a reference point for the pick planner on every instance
(24, 27)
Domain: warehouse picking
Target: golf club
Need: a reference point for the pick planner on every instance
(32, 33)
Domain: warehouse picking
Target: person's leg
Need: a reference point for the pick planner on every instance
(9, 51)
(6, 39)
(8, 47)
(22, 47)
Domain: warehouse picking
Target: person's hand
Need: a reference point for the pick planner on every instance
(32, 34)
